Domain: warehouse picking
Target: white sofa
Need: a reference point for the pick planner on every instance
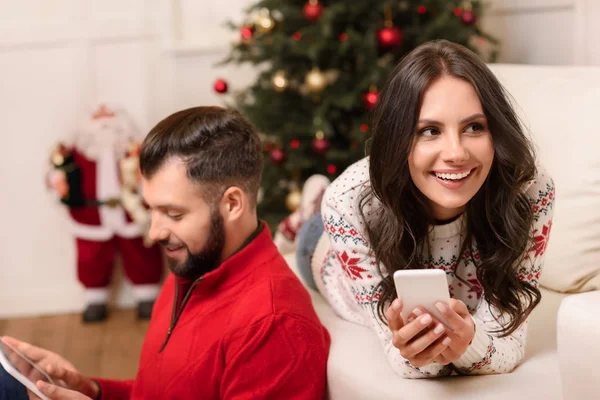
(561, 108)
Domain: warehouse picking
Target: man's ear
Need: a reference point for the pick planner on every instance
(233, 204)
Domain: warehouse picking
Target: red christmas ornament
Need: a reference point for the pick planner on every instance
(320, 146)
(343, 36)
(220, 86)
(371, 99)
(389, 37)
(246, 32)
(295, 144)
(277, 156)
(353, 144)
(297, 36)
(421, 9)
(331, 169)
(458, 12)
(469, 17)
(312, 10)
(364, 128)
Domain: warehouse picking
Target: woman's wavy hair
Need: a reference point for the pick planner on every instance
(498, 218)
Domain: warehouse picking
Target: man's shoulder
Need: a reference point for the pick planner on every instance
(275, 292)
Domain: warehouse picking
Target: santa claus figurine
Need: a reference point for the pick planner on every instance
(97, 178)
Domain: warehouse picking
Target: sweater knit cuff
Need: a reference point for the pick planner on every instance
(478, 351)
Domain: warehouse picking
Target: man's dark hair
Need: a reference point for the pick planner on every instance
(219, 147)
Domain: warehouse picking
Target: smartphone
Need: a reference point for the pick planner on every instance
(7, 354)
(424, 288)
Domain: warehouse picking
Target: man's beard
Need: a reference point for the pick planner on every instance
(208, 258)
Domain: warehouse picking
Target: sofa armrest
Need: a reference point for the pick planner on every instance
(578, 334)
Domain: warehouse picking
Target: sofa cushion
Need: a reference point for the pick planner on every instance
(358, 369)
(559, 106)
(578, 349)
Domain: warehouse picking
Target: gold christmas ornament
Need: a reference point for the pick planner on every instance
(264, 22)
(293, 199)
(315, 80)
(280, 82)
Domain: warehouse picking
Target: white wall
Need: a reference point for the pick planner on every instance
(548, 32)
(58, 57)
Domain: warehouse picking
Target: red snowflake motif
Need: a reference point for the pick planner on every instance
(544, 201)
(541, 239)
(536, 208)
(551, 195)
(342, 231)
(350, 266)
(475, 287)
(353, 232)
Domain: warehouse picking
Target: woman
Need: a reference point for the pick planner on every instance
(450, 182)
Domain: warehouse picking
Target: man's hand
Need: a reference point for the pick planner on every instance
(58, 393)
(56, 366)
(420, 341)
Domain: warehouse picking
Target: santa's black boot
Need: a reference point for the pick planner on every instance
(144, 309)
(95, 313)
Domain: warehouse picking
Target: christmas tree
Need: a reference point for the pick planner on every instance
(322, 64)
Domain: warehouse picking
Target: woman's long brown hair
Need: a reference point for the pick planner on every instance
(498, 218)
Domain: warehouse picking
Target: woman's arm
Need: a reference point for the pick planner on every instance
(355, 277)
(489, 354)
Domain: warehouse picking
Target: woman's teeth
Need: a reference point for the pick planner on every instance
(452, 177)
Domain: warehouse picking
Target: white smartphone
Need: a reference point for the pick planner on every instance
(7, 354)
(424, 288)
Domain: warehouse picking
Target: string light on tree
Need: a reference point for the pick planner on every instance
(390, 36)
(331, 169)
(280, 82)
(320, 145)
(364, 128)
(220, 86)
(371, 98)
(294, 144)
(315, 80)
(422, 9)
(343, 37)
(312, 10)
(296, 36)
(264, 22)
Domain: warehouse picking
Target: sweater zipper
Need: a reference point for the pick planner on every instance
(174, 314)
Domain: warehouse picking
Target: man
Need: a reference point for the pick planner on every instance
(232, 320)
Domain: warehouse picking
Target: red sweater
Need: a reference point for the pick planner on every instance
(246, 330)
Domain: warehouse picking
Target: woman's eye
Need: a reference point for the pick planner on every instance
(429, 132)
(474, 128)
(175, 217)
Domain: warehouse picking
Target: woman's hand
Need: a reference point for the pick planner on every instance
(420, 341)
(461, 333)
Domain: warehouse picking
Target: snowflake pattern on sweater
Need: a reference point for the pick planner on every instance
(350, 277)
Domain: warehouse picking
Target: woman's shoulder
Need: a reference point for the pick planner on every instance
(350, 182)
(541, 188)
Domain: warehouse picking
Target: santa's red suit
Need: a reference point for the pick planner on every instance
(100, 224)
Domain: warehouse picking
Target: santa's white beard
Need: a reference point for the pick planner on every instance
(92, 144)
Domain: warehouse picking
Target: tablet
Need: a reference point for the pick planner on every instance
(11, 359)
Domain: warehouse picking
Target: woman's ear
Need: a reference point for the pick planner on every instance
(233, 204)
